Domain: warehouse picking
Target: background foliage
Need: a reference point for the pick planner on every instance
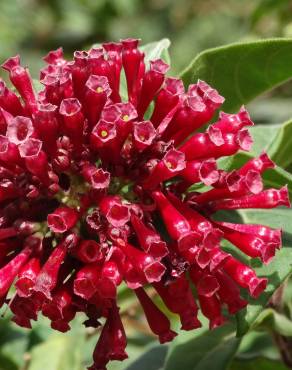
(256, 73)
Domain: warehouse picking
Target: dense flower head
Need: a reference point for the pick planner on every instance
(94, 191)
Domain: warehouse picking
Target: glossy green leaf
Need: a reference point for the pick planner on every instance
(276, 271)
(151, 359)
(157, 50)
(263, 136)
(13, 342)
(257, 364)
(272, 320)
(212, 350)
(257, 344)
(280, 147)
(59, 352)
(6, 363)
(242, 71)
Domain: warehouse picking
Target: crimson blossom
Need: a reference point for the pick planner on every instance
(94, 192)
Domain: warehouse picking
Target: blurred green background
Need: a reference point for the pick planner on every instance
(32, 28)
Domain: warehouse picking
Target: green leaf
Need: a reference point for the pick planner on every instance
(276, 271)
(157, 50)
(59, 352)
(257, 364)
(212, 350)
(6, 363)
(153, 359)
(280, 147)
(13, 342)
(257, 344)
(272, 320)
(263, 136)
(242, 71)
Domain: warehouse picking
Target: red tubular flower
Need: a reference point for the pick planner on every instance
(19, 129)
(206, 284)
(143, 135)
(229, 293)
(211, 308)
(204, 145)
(60, 307)
(188, 116)
(251, 243)
(97, 177)
(270, 198)
(144, 263)
(9, 100)
(63, 219)
(73, 118)
(85, 284)
(114, 210)
(9, 153)
(96, 95)
(245, 277)
(112, 186)
(177, 225)
(47, 126)
(149, 240)
(46, 280)
(179, 299)
(88, 251)
(236, 186)
(112, 341)
(172, 163)
(55, 57)
(21, 79)
(27, 277)
(35, 159)
(113, 50)
(11, 269)
(24, 309)
(260, 164)
(8, 190)
(110, 278)
(167, 99)
(158, 322)
(102, 138)
(269, 235)
(151, 83)
(132, 62)
(233, 122)
(201, 171)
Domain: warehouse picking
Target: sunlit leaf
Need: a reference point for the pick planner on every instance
(212, 350)
(242, 71)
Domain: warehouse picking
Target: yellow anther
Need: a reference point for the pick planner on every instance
(104, 133)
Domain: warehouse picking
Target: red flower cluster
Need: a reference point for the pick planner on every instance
(93, 192)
